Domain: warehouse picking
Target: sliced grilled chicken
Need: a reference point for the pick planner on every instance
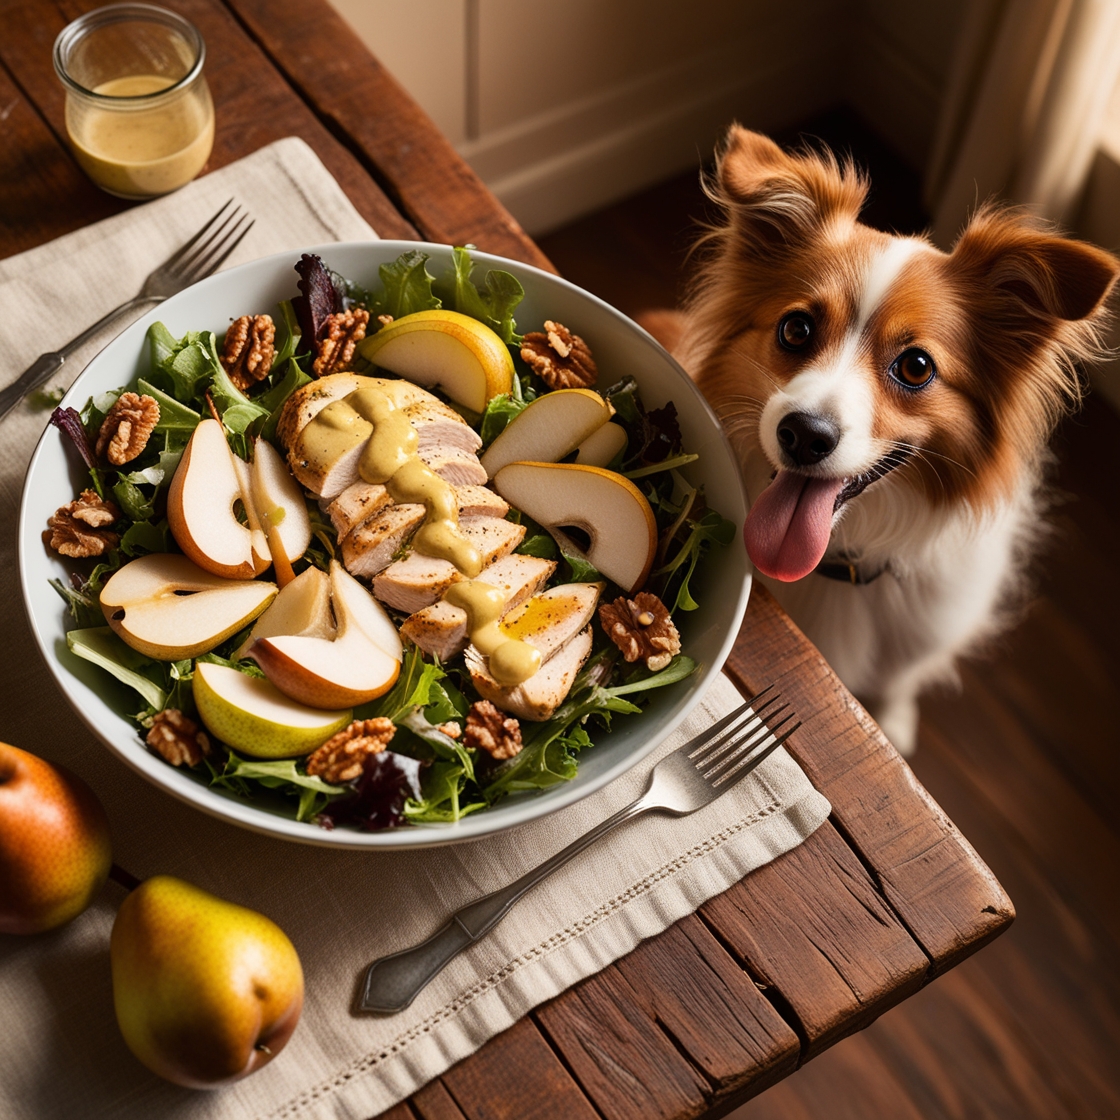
(477, 501)
(370, 547)
(441, 629)
(357, 503)
(550, 620)
(443, 433)
(460, 468)
(417, 581)
(537, 698)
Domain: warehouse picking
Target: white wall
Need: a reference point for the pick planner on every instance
(563, 106)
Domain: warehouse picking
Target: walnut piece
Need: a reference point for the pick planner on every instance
(249, 349)
(452, 729)
(78, 529)
(343, 756)
(642, 629)
(561, 359)
(345, 329)
(492, 731)
(177, 739)
(124, 432)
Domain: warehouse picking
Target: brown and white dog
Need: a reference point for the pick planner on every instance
(890, 405)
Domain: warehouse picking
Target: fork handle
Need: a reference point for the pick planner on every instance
(47, 364)
(394, 981)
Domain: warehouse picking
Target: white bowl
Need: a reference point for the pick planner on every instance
(620, 348)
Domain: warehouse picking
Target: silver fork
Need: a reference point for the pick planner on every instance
(197, 259)
(694, 775)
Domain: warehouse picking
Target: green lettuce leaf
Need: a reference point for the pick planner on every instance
(493, 304)
(100, 646)
(407, 286)
(283, 774)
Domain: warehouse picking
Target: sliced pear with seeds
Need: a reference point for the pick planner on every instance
(201, 501)
(445, 350)
(610, 509)
(167, 607)
(549, 428)
(360, 663)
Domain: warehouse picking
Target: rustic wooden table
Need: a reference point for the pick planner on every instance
(878, 902)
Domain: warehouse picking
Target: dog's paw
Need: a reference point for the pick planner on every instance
(898, 720)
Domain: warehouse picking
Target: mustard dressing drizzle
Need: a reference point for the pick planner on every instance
(371, 417)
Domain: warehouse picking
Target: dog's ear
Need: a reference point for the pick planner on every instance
(1010, 255)
(775, 196)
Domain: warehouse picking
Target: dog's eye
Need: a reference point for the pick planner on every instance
(795, 330)
(913, 368)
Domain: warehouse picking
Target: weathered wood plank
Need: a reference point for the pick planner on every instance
(254, 104)
(515, 1076)
(43, 192)
(670, 1029)
(936, 882)
(434, 1102)
(813, 927)
(362, 102)
(400, 1111)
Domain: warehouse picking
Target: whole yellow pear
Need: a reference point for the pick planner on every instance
(206, 992)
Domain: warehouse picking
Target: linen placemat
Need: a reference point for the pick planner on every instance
(62, 1055)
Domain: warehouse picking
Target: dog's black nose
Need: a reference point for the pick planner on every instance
(806, 438)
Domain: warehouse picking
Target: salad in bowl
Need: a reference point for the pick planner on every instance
(385, 553)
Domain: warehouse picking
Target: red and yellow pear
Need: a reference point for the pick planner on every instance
(54, 843)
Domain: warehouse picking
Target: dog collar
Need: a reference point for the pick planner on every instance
(845, 571)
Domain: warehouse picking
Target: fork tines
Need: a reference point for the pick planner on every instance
(194, 263)
(744, 738)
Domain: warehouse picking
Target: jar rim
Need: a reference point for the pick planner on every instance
(74, 32)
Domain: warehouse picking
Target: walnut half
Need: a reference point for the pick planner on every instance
(177, 739)
(125, 430)
(642, 629)
(79, 528)
(342, 758)
(345, 329)
(492, 731)
(249, 349)
(561, 359)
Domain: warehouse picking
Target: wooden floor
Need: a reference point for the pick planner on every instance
(1025, 759)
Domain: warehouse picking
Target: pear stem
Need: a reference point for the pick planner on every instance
(125, 878)
(282, 566)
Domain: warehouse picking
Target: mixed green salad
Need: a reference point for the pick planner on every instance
(427, 775)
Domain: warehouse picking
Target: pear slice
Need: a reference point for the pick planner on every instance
(360, 663)
(254, 717)
(549, 428)
(610, 509)
(601, 447)
(303, 607)
(200, 508)
(444, 349)
(201, 503)
(168, 608)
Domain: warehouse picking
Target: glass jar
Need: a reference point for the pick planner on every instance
(138, 110)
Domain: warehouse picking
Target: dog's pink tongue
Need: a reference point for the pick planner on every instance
(788, 527)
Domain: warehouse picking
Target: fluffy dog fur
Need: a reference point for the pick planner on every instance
(952, 468)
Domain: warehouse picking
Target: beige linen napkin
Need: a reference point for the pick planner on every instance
(62, 1055)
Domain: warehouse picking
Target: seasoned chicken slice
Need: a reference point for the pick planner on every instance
(441, 629)
(363, 500)
(357, 503)
(550, 620)
(370, 547)
(538, 697)
(460, 468)
(444, 436)
(417, 581)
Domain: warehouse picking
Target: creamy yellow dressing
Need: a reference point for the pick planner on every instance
(511, 660)
(142, 151)
(371, 416)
